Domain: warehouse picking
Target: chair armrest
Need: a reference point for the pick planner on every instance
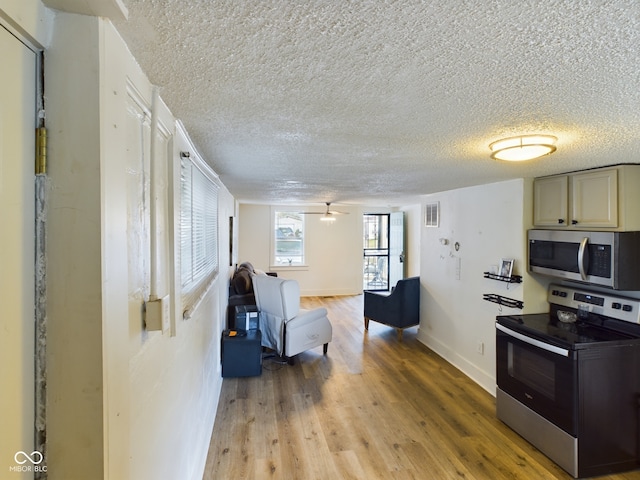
(309, 329)
(378, 298)
(305, 317)
(379, 306)
(382, 295)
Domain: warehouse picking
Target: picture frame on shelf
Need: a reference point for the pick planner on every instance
(506, 267)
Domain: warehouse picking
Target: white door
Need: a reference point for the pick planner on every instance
(17, 203)
(396, 248)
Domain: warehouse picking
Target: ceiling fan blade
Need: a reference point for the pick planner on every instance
(326, 212)
(330, 212)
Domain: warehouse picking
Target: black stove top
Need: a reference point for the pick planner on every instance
(603, 319)
(572, 336)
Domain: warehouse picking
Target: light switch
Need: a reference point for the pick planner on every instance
(157, 314)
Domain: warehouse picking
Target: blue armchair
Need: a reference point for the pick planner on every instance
(400, 309)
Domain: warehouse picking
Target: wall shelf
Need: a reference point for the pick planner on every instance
(500, 300)
(511, 279)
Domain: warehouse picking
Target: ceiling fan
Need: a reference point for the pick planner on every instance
(328, 215)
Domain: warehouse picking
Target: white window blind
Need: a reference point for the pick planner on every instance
(198, 231)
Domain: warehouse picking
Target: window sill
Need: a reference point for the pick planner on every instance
(289, 268)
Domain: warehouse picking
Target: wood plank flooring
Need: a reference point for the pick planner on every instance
(373, 408)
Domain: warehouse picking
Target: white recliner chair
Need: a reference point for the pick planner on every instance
(285, 327)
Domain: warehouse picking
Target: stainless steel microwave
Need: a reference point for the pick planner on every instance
(608, 259)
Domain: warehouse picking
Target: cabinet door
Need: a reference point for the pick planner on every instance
(595, 199)
(550, 198)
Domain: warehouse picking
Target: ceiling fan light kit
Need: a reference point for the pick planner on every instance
(328, 215)
(523, 147)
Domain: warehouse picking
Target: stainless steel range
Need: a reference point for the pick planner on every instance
(569, 380)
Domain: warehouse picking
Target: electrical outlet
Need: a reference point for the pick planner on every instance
(480, 347)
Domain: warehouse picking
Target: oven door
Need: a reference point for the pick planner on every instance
(539, 375)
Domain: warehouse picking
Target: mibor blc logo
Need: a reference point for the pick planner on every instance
(28, 462)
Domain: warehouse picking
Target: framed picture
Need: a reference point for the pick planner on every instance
(232, 243)
(506, 267)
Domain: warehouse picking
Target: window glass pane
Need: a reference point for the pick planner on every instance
(376, 251)
(289, 238)
(375, 231)
(376, 269)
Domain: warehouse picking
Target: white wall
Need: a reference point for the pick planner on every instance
(333, 251)
(489, 222)
(254, 227)
(123, 401)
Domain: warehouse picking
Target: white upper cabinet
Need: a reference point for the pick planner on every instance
(550, 201)
(594, 199)
(605, 198)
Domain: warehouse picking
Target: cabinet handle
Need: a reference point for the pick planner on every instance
(574, 222)
(561, 220)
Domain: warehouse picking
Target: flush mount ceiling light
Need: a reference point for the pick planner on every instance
(524, 147)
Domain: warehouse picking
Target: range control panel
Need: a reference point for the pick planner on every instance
(621, 308)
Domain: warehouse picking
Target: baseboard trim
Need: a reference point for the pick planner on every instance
(482, 378)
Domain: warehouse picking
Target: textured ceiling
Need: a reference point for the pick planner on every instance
(380, 101)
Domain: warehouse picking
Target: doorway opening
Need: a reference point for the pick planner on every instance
(376, 251)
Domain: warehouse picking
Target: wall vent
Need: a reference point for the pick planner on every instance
(432, 214)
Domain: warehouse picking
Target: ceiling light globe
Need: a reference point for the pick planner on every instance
(522, 148)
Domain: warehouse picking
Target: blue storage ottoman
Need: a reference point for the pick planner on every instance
(241, 353)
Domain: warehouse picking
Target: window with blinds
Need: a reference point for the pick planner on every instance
(198, 231)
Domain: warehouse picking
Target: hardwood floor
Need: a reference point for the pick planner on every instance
(374, 407)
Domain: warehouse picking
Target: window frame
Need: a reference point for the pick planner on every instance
(274, 239)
